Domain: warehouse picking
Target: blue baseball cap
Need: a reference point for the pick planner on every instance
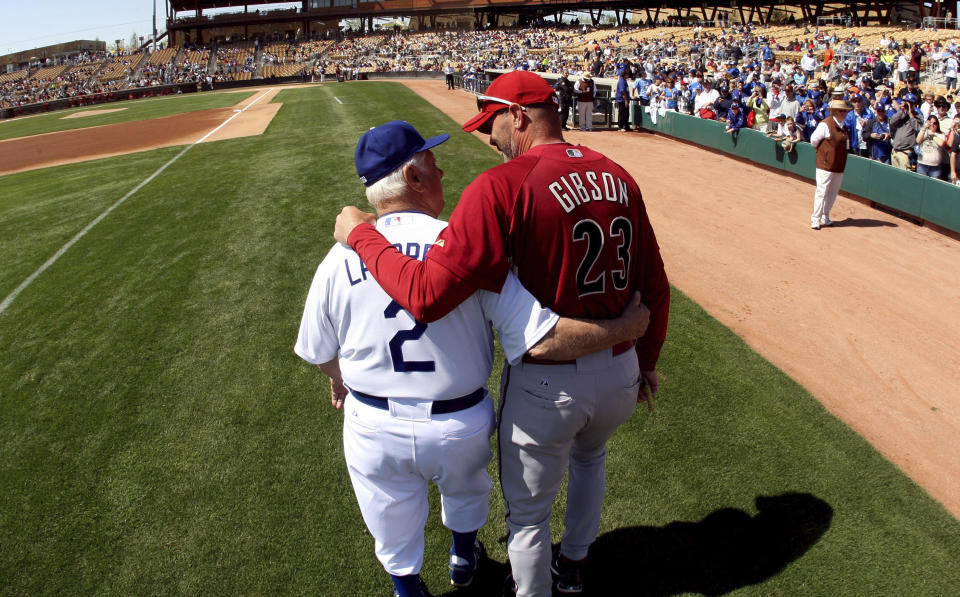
(384, 148)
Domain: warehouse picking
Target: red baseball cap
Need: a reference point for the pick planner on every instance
(516, 87)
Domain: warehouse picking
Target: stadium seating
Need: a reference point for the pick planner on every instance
(164, 56)
(549, 48)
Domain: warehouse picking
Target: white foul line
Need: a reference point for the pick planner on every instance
(338, 100)
(6, 302)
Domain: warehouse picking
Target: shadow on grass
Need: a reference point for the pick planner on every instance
(725, 551)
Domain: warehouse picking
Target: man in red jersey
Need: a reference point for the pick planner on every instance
(573, 226)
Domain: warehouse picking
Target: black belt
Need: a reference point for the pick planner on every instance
(440, 407)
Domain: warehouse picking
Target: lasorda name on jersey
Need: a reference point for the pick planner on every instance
(572, 189)
(357, 270)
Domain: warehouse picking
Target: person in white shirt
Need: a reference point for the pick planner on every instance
(926, 108)
(808, 64)
(790, 105)
(950, 66)
(775, 97)
(903, 65)
(707, 98)
(448, 73)
(414, 396)
(831, 139)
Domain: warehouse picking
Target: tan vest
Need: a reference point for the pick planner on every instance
(832, 151)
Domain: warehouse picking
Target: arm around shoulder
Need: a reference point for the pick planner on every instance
(572, 338)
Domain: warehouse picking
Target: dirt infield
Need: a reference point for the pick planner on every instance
(86, 113)
(79, 145)
(865, 315)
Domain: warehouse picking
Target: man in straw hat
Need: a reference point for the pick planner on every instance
(586, 90)
(831, 138)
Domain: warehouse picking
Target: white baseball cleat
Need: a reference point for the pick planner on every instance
(815, 224)
(826, 221)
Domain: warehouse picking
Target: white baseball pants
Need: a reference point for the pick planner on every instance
(392, 455)
(554, 419)
(828, 185)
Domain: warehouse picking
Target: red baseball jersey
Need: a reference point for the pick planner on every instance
(570, 221)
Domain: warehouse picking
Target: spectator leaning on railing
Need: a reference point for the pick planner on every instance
(807, 119)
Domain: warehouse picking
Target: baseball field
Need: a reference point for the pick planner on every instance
(159, 436)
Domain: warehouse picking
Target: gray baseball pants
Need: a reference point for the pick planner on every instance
(555, 419)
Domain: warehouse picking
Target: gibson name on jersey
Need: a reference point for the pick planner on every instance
(572, 189)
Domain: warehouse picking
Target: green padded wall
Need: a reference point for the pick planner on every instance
(920, 196)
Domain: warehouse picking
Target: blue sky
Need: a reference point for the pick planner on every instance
(29, 24)
(25, 25)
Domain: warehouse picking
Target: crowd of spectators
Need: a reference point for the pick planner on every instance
(51, 80)
(777, 79)
(891, 122)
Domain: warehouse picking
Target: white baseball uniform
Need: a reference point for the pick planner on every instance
(395, 441)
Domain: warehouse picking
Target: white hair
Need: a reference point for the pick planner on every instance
(394, 184)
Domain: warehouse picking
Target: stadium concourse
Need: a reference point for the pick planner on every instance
(92, 77)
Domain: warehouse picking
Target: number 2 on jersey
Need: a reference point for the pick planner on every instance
(401, 365)
(590, 231)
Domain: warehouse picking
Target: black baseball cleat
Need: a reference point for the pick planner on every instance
(569, 579)
(461, 571)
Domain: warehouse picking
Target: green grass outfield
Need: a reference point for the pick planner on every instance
(159, 436)
(142, 109)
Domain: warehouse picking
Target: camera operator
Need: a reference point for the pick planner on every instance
(904, 126)
(760, 107)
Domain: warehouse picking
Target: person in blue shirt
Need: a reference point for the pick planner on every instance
(767, 53)
(735, 119)
(670, 95)
(696, 85)
(823, 110)
(732, 69)
(813, 93)
(640, 86)
(877, 130)
(807, 120)
(854, 122)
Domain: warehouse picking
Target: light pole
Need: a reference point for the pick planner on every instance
(154, 26)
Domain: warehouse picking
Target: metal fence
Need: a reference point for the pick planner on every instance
(941, 23)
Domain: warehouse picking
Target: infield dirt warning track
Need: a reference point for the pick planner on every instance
(80, 145)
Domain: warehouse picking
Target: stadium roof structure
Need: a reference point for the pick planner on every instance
(757, 11)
